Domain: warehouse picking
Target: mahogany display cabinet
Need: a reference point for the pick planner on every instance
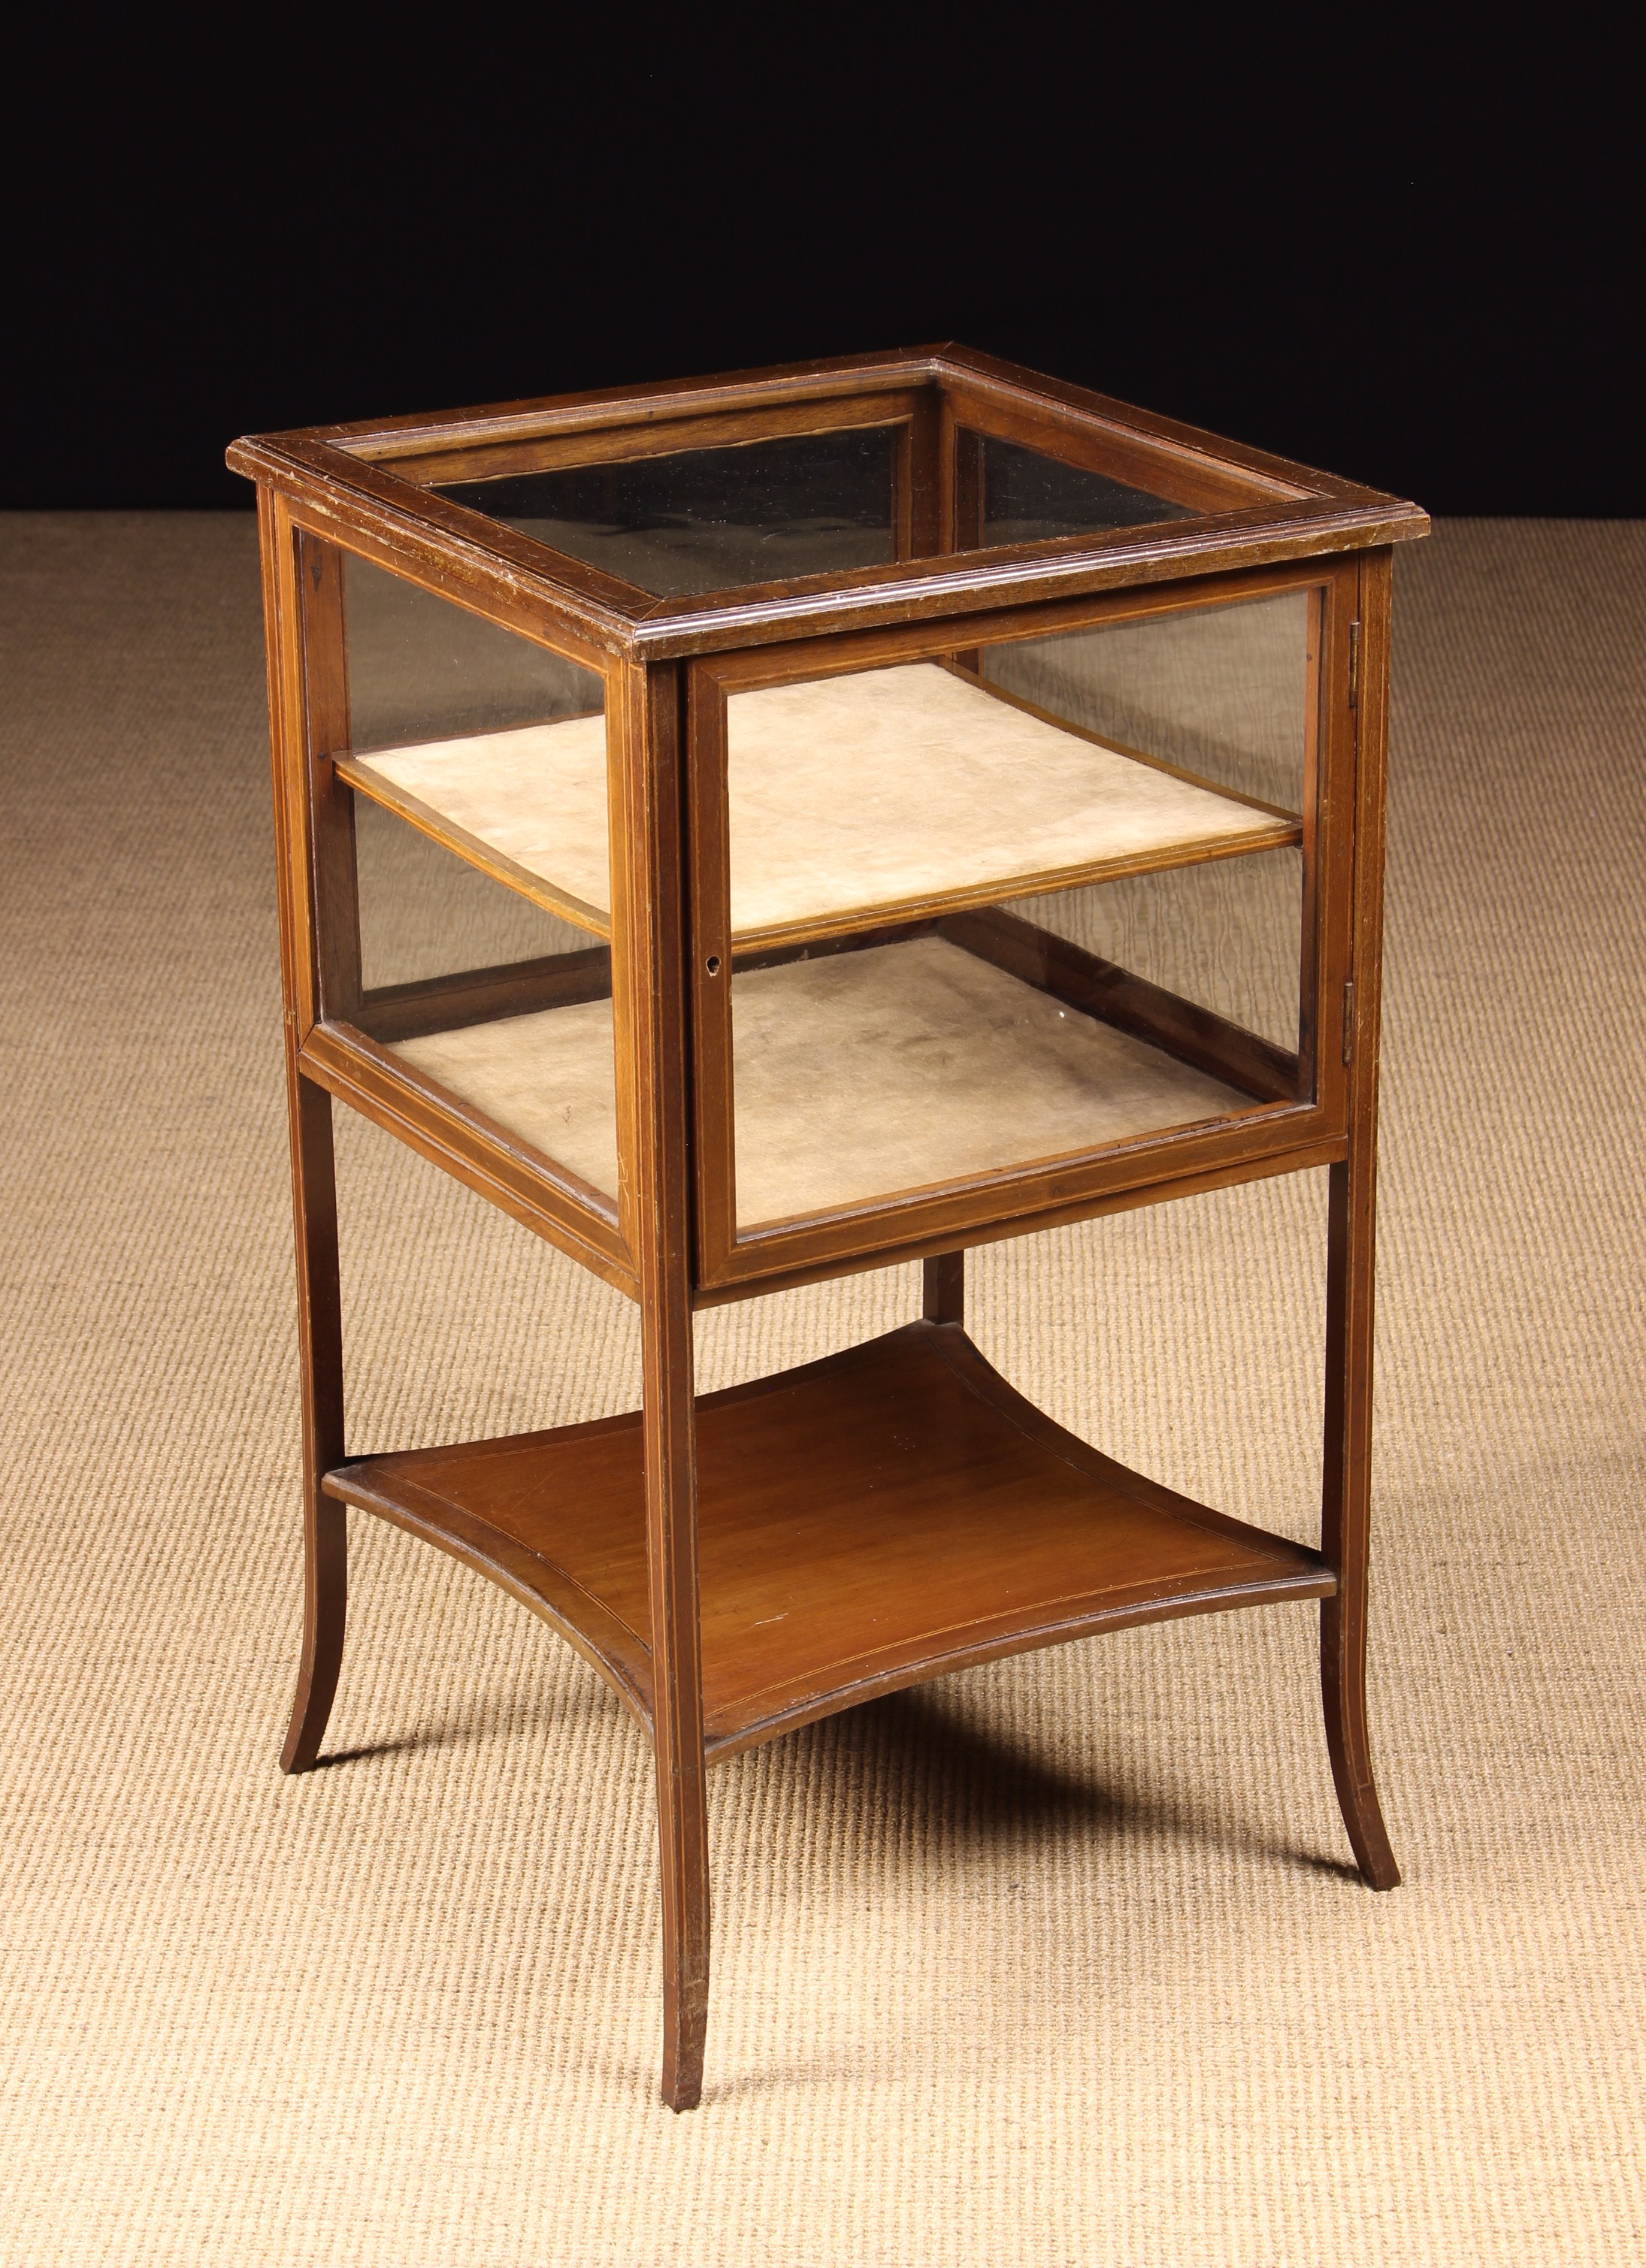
(786, 824)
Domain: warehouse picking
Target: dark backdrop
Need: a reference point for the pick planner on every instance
(1409, 264)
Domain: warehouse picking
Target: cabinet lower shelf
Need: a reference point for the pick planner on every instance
(867, 1523)
(899, 1067)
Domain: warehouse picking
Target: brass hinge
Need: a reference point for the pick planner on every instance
(1354, 665)
(1348, 1023)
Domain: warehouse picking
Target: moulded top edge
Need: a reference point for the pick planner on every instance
(1285, 478)
(776, 529)
(384, 439)
(369, 504)
(368, 500)
(916, 589)
(622, 405)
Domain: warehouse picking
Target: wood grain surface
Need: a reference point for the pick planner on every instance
(863, 1523)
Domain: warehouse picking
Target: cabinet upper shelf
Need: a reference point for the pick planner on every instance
(889, 793)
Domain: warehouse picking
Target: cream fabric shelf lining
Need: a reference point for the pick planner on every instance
(854, 799)
(856, 1074)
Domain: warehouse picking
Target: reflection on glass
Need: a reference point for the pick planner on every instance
(1223, 692)
(422, 669)
(1027, 498)
(976, 926)
(490, 973)
(710, 519)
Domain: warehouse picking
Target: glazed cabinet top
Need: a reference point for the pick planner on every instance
(981, 780)
(666, 520)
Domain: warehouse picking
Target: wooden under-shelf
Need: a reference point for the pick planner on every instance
(856, 799)
(867, 1523)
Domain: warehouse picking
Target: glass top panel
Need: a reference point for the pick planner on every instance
(696, 521)
(1028, 497)
(711, 520)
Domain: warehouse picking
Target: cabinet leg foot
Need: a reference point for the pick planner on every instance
(325, 1611)
(1343, 1691)
(1345, 1495)
(320, 1337)
(686, 2025)
(683, 1825)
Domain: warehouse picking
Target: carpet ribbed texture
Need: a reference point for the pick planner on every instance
(1058, 1960)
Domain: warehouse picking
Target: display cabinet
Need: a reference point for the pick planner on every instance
(798, 822)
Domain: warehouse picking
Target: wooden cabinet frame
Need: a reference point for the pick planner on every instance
(655, 1572)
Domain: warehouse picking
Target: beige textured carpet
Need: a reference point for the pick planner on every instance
(1056, 1962)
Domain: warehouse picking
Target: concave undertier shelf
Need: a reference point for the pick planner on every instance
(893, 1067)
(867, 1523)
(851, 799)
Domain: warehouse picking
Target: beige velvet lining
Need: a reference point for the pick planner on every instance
(895, 787)
(849, 796)
(536, 794)
(551, 1078)
(856, 1075)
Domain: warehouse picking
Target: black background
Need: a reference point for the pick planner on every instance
(1413, 261)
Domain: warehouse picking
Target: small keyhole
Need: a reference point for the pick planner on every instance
(712, 964)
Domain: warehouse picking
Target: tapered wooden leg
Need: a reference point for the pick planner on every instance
(677, 1703)
(1345, 1523)
(319, 1333)
(943, 1286)
(654, 921)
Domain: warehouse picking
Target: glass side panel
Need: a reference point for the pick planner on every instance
(1028, 497)
(710, 519)
(1223, 692)
(426, 913)
(976, 925)
(420, 667)
(477, 768)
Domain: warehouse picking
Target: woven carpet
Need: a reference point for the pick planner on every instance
(1055, 1961)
